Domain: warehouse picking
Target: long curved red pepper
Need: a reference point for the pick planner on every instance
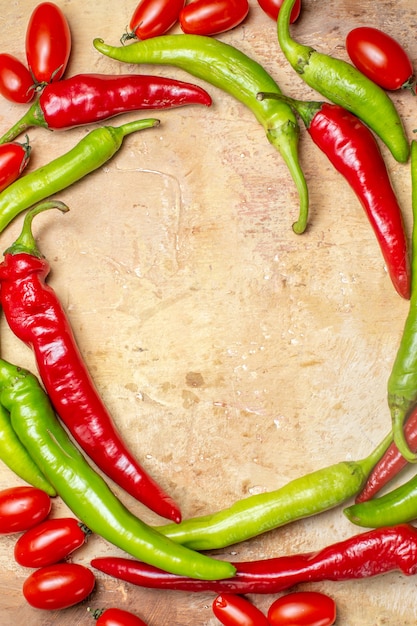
(88, 98)
(367, 554)
(354, 152)
(391, 463)
(36, 316)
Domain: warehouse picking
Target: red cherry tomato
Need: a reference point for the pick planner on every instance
(233, 610)
(22, 507)
(302, 608)
(272, 7)
(48, 43)
(16, 82)
(14, 157)
(50, 542)
(59, 586)
(380, 57)
(211, 17)
(117, 617)
(152, 18)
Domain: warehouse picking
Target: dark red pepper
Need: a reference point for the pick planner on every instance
(391, 463)
(367, 554)
(36, 316)
(89, 98)
(354, 152)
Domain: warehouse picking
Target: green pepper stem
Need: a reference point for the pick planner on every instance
(133, 127)
(296, 53)
(26, 243)
(306, 109)
(32, 117)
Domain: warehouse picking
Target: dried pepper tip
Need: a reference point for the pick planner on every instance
(26, 242)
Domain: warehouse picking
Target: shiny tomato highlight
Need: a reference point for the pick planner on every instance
(22, 507)
(118, 617)
(153, 18)
(272, 7)
(302, 608)
(16, 82)
(50, 542)
(234, 610)
(380, 57)
(59, 586)
(48, 43)
(211, 17)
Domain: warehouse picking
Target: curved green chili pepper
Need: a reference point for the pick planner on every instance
(303, 497)
(16, 457)
(343, 84)
(395, 507)
(93, 151)
(83, 490)
(225, 67)
(402, 382)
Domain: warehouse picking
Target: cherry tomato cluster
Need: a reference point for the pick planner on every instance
(44, 545)
(47, 47)
(153, 18)
(301, 608)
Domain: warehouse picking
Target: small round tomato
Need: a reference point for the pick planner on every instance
(22, 507)
(16, 82)
(211, 17)
(234, 610)
(302, 608)
(153, 18)
(116, 617)
(48, 43)
(14, 157)
(50, 542)
(380, 57)
(272, 7)
(59, 586)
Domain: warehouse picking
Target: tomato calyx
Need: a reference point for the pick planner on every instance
(410, 84)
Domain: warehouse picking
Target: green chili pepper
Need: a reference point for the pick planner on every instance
(396, 507)
(93, 151)
(343, 84)
(83, 490)
(303, 497)
(402, 382)
(16, 457)
(229, 69)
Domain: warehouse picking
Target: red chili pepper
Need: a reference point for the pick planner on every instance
(367, 554)
(391, 463)
(353, 151)
(89, 98)
(36, 316)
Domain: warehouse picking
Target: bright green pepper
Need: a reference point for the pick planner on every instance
(82, 489)
(343, 84)
(402, 382)
(93, 151)
(305, 496)
(16, 457)
(395, 507)
(229, 69)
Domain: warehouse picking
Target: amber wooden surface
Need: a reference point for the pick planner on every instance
(233, 354)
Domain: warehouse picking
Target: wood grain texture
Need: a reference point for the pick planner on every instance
(233, 354)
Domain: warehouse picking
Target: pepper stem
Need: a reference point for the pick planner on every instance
(32, 117)
(26, 243)
(306, 109)
(372, 459)
(297, 54)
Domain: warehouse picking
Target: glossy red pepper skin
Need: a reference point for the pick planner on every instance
(89, 98)
(354, 152)
(367, 554)
(391, 463)
(36, 316)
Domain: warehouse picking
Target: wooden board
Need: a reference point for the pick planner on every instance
(233, 354)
